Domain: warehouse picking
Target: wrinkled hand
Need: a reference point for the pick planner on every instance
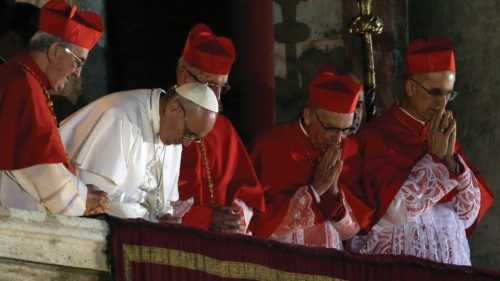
(169, 219)
(328, 171)
(441, 128)
(97, 201)
(228, 219)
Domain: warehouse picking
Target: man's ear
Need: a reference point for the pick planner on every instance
(181, 76)
(409, 87)
(306, 112)
(52, 51)
(171, 108)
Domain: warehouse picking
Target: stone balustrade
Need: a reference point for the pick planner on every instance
(39, 246)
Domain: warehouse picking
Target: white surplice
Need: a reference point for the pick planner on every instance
(50, 188)
(114, 145)
(417, 224)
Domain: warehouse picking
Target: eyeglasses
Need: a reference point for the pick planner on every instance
(450, 95)
(222, 88)
(188, 134)
(330, 130)
(79, 62)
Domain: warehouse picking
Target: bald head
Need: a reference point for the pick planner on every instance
(326, 128)
(425, 93)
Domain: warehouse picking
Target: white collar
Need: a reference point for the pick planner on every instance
(154, 109)
(407, 113)
(302, 126)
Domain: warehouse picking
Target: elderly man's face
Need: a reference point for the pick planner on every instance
(422, 104)
(63, 64)
(179, 126)
(326, 128)
(218, 83)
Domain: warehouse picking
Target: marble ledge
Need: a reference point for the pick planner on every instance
(36, 237)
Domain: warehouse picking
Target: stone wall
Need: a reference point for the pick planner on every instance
(307, 34)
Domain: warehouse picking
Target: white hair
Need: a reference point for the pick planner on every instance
(41, 40)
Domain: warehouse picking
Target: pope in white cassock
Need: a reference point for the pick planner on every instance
(129, 144)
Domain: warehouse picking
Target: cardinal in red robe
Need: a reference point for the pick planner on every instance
(426, 193)
(35, 173)
(301, 167)
(216, 172)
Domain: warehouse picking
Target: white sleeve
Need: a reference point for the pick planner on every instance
(55, 187)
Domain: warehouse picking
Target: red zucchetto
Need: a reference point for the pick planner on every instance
(334, 92)
(80, 28)
(432, 55)
(208, 52)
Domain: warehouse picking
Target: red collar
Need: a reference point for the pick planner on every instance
(25, 58)
(408, 121)
(305, 141)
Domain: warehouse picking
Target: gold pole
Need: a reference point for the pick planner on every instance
(365, 25)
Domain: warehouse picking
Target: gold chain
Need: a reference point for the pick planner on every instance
(49, 102)
(206, 169)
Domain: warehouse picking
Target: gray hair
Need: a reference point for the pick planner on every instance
(42, 40)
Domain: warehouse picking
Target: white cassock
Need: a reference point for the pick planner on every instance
(114, 145)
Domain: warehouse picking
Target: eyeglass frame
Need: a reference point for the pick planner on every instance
(79, 62)
(223, 88)
(450, 95)
(332, 129)
(188, 134)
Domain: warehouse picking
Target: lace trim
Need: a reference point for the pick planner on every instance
(427, 183)
(468, 200)
(300, 214)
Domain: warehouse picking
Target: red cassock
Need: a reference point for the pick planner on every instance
(281, 157)
(29, 134)
(390, 146)
(231, 172)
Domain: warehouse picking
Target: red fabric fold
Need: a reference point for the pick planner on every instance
(145, 251)
(231, 171)
(29, 135)
(281, 160)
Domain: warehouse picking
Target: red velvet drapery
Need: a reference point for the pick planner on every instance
(144, 251)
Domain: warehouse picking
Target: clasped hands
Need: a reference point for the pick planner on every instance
(97, 201)
(228, 219)
(328, 171)
(442, 136)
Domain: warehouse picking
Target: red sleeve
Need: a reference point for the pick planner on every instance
(238, 174)
(486, 194)
(280, 177)
(384, 172)
(231, 172)
(263, 225)
(330, 205)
